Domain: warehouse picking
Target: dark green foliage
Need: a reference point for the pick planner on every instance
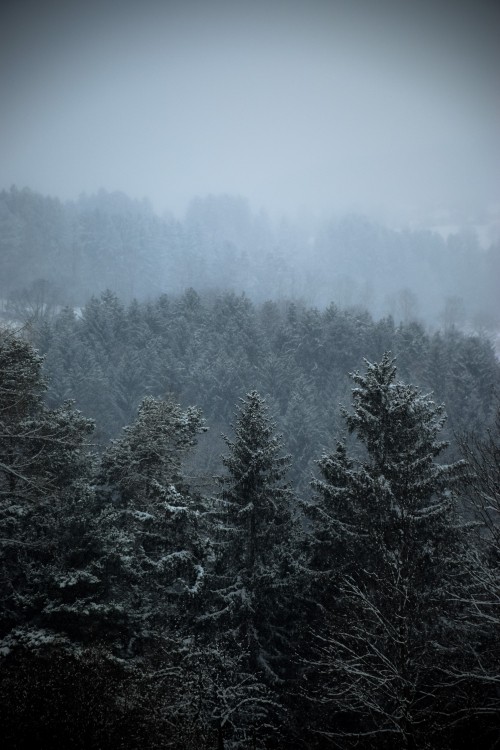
(45, 493)
(255, 539)
(251, 585)
(482, 502)
(100, 565)
(208, 350)
(390, 576)
(153, 550)
(135, 612)
(57, 682)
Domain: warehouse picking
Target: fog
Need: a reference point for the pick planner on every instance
(389, 109)
(249, 374)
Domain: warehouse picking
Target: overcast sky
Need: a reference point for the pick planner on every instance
(323, 106)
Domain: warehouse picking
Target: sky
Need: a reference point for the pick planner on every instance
(315, 106)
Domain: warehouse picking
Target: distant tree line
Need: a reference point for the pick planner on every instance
(209, 349)
(140, 610)
(54, 253)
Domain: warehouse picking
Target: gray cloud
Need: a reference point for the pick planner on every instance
(322, 105)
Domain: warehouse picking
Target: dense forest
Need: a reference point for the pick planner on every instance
(62, 253)
(249, 496)
(210, 350)
(331, 582)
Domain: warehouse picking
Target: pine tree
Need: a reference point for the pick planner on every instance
(482, 500)
(154, 552)
(57, 681)
(386, 540)
(250, 611)
(257, 528)
(45, 502)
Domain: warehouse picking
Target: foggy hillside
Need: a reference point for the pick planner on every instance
(249, 375)
(209, 349)
(63, 253)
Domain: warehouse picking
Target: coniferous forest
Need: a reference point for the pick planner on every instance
(317, 576)
(249, 375)
(230, 521)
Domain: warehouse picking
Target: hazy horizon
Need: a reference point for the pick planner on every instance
(329, 106)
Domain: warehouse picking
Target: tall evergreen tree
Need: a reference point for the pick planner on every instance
(251, 608)
(57, 681)
(386, 539)
(482, 500)
(154, 552)
(45, 501)
(257, 529)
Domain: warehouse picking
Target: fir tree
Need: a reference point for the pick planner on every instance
(481, 661)
(386, 540)
(251, 607)
(154, 553)
(45, 505)
(256, 531)
(57, 680)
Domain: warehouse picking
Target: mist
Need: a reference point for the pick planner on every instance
(325, 152)
(249, 374)
(325, 107)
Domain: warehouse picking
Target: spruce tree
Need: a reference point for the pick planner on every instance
(257, 530)
(46, 534)
(57, 680)
(481, 661)
(153, 549)
(250, 611)
(387, 548)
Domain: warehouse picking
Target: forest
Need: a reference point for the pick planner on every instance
(239, 515)
(61, 253)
